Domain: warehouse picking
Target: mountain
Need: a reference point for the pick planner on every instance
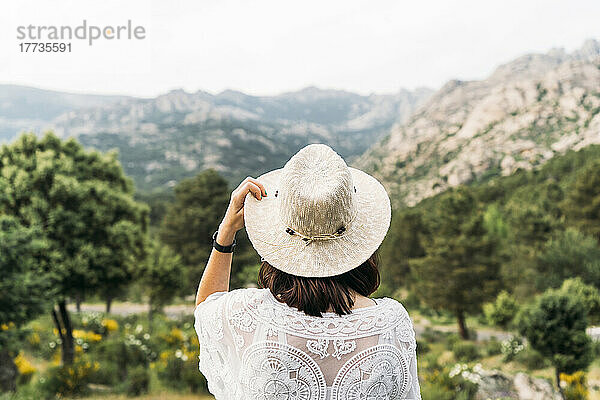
(27, 108)
(526, 112)
(175, 135)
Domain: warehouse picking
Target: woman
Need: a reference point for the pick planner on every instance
(310, 332)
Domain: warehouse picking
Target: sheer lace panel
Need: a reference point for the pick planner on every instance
(254, 347)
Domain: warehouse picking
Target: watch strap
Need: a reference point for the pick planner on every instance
(220, 248)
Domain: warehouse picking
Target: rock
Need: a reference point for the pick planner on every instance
(528, 388)
(494, 384)
(529, 110)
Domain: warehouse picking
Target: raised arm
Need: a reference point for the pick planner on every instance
(218, 268)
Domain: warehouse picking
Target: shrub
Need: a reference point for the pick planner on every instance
(452, 339)
(175, 368)
(531, 359)
(41, 341)
(555, 326)
(588, 295)
(26, 369)
(107, 374)
(574, 386)
(65, 381)
(493, 347)
(501, 311)
(138, 381)
(89, 320)
(433, 336)
(443, 384)
(110, 325)
(465, 351)
(511, 347)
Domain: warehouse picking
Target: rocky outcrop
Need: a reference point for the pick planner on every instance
(497, 385)
(526, 112)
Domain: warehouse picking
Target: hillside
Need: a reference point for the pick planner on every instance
(525, 113)
(27, 108)
(178, 134)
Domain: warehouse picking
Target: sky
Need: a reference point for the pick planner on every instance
(266, 47)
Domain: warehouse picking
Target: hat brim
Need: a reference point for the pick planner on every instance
(320, 258)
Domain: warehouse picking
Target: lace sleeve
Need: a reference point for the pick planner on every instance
(213, 339)
(405, 334)
(416, 388)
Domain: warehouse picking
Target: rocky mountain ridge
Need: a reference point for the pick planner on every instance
(527, 111)
(177, 134)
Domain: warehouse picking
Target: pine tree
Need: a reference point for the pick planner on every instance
(188, 226)
(161, 274)
(582, 206)
(402, 243)
(460, 270)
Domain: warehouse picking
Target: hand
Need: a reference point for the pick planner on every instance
(234, 216)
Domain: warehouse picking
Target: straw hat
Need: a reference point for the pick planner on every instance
(320, 218)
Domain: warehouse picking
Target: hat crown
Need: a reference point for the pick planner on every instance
(316, 192)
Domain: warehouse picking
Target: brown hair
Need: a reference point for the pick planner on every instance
(315, 296)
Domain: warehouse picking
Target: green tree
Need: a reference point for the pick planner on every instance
(461, 269)
(589, 295)
(83, 205)
(569, 254)
(554, 324)
(530, 227)
(23, 290)
(200, 203)
(501, 311)
(402, 243)
(582, 205)
(161, 273)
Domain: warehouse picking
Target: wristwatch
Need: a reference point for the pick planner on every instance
(222, 249)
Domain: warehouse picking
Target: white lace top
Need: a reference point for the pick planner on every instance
(254, 347)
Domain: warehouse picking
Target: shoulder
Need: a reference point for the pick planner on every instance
(392, 305)
(220, 300)
(398, 316)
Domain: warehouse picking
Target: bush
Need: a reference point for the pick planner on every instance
(443, 384)
(68, 381)
(138, 381)
(175, 368)
(89, 321)
(531, 359)
(588, 295)
(555, 326)
(26, 369)
(452, 339)
(511, 347)
(465, 351)
(107, 374)
(574, 386)
(433, 336)
(501, 311)
(41, 340)
(493, 347)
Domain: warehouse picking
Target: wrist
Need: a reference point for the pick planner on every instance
(226, 235)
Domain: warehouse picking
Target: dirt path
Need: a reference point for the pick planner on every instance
(123, 309)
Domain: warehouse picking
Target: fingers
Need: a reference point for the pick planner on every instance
(255, 182)
(240, 193)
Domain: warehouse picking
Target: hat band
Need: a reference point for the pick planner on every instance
(323, 236)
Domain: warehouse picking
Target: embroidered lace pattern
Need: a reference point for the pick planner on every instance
(254, 347)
